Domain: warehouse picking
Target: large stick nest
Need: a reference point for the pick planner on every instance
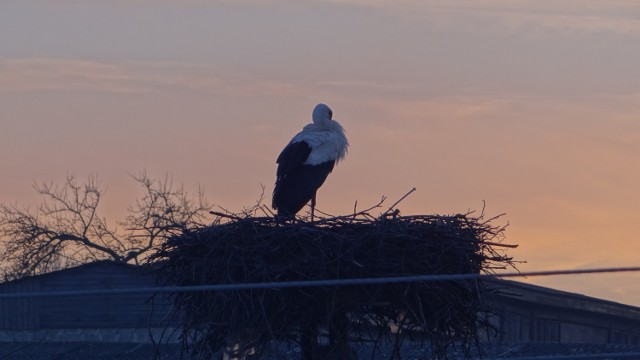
(246, 249)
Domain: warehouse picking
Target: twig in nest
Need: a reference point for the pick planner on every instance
(384, 214)
(364, 213)
(266, 211)
(225, 215)
(323, 213)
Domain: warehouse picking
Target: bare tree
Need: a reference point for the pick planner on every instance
(67, 229)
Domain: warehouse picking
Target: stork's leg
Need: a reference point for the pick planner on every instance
(313, 205)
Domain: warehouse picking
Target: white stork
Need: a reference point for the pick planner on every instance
(305, 163)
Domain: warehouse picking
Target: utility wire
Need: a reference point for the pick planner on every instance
(630, 355)
(310, 283)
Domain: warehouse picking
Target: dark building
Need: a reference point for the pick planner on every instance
(132, 317)
(129, 326)
(530, 313)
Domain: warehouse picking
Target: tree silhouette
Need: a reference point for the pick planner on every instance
(67, 229)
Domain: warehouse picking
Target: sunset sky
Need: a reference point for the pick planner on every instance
(532, 106)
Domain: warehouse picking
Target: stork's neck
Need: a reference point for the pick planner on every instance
(321, 120)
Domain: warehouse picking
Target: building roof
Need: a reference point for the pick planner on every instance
(91, 266)
(107, 311)
(544, 296)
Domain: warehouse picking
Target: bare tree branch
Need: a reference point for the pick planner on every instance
(67, 229)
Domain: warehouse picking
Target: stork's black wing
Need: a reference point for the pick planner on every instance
(292, 157)
(297, 182)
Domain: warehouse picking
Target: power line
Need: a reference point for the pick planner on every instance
(630, 355)
(312, 283)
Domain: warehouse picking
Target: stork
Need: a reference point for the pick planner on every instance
(305, 163)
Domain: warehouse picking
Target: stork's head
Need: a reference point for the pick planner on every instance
(321, 113)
